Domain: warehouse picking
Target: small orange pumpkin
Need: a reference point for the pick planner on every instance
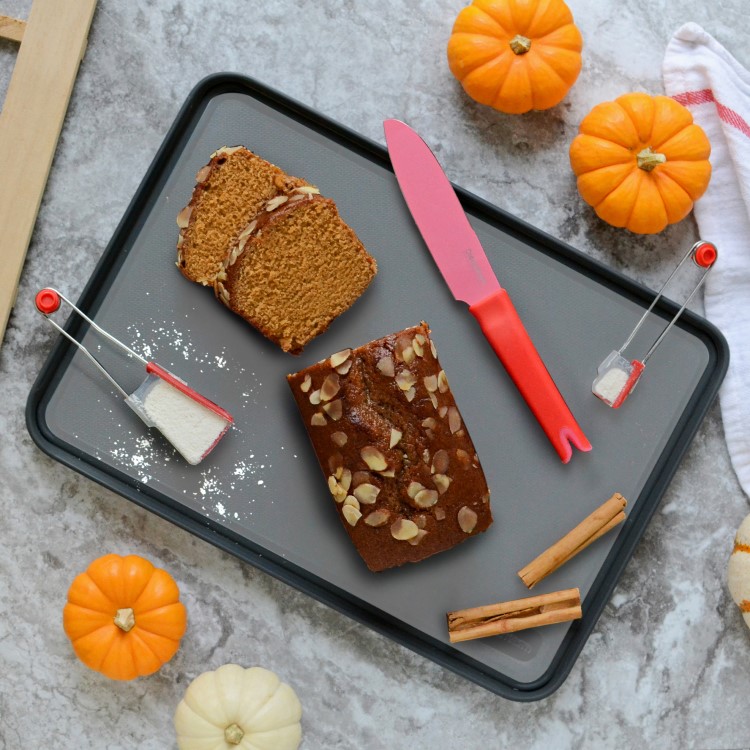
(641, 162)
(516, 55)
(124, 617)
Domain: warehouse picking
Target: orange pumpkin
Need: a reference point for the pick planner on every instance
(641, 162)
(516, 55)
(124, 617)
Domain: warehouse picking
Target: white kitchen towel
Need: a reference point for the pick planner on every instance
(702, 75)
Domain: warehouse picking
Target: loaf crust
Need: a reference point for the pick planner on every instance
(397, 458)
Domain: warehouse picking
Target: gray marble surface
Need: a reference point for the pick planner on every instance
(667, 663)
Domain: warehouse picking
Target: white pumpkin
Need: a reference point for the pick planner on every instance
(738, 574)
(234, 708)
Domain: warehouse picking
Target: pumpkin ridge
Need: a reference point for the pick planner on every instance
(134, 636)
(494, 20)
(624, 177)
(97, 664)
(637, 198)
(539, 10)
(85, 575)
(467, 70)
(559, 43)
(661, 179)
(541, 60)
(91, 632)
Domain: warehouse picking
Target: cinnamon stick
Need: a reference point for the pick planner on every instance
(602, 520)
(510, 617)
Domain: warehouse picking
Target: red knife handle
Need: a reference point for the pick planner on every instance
(505, 331)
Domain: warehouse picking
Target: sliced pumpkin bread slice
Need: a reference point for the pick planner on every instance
(230, 190)
(295, 268)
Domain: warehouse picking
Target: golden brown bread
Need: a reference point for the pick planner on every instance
(230, 190)
(294, 268)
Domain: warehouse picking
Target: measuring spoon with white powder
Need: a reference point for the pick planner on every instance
(190, 422)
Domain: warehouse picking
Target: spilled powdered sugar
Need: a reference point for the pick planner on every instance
(212, 487)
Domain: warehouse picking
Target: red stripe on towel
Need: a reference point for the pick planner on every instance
(706, 96)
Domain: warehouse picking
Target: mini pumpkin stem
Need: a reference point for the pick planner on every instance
(233, 734)
(648, 159)
(520, 44)
(125, 619)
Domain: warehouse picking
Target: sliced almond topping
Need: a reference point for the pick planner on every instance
(351, 501)
(334, 409)
(442, 411)
(416, 345)
(307, 189)
(421, 338)
(405, 380)
(467, 519)
(434, 400)
(279, 200)
(339, 438)
(351, 514)
(440, 462)
(426, 456)
(410, 394)
(408, 355)
(366, 493)
(385, 365)
(403, 529)
(430, 383)
(339, 357)
(360, 477)
(344, 369)
(202, 173)
(433, 349)
(338, 492)
(335, 463)
(486, 498)
(442, 482)
(378, 517)
(430, 423)
(331, 386)
(426, 498)
(421, 521)
(454, 419)
(413, 489)
(315, 397)
(442, 382)
(417, 538)
(345, 480)
(396, 435)
(306, 383)
(390, 473)
(463, 458)
(318, 420)
(374, 459)
(183, 218)
(246, 232)
(403, 342)
(440, 514)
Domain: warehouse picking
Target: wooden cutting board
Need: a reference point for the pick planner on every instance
(53, 42)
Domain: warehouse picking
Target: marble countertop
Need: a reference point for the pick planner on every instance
(667, 662)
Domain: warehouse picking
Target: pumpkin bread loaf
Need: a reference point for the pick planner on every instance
(230, 190)
(294, 268)
(397, 457)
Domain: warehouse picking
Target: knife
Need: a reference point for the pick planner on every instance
(458, 253)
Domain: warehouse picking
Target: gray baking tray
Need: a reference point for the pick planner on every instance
(260, 494)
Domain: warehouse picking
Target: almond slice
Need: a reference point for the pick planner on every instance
(374, 459)
(403, 529)
(396, 435)
(467, 519)
(339, 358)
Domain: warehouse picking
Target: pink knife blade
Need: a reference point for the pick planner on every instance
(456, 249)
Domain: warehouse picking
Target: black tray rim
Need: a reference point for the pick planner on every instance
(225, 539)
